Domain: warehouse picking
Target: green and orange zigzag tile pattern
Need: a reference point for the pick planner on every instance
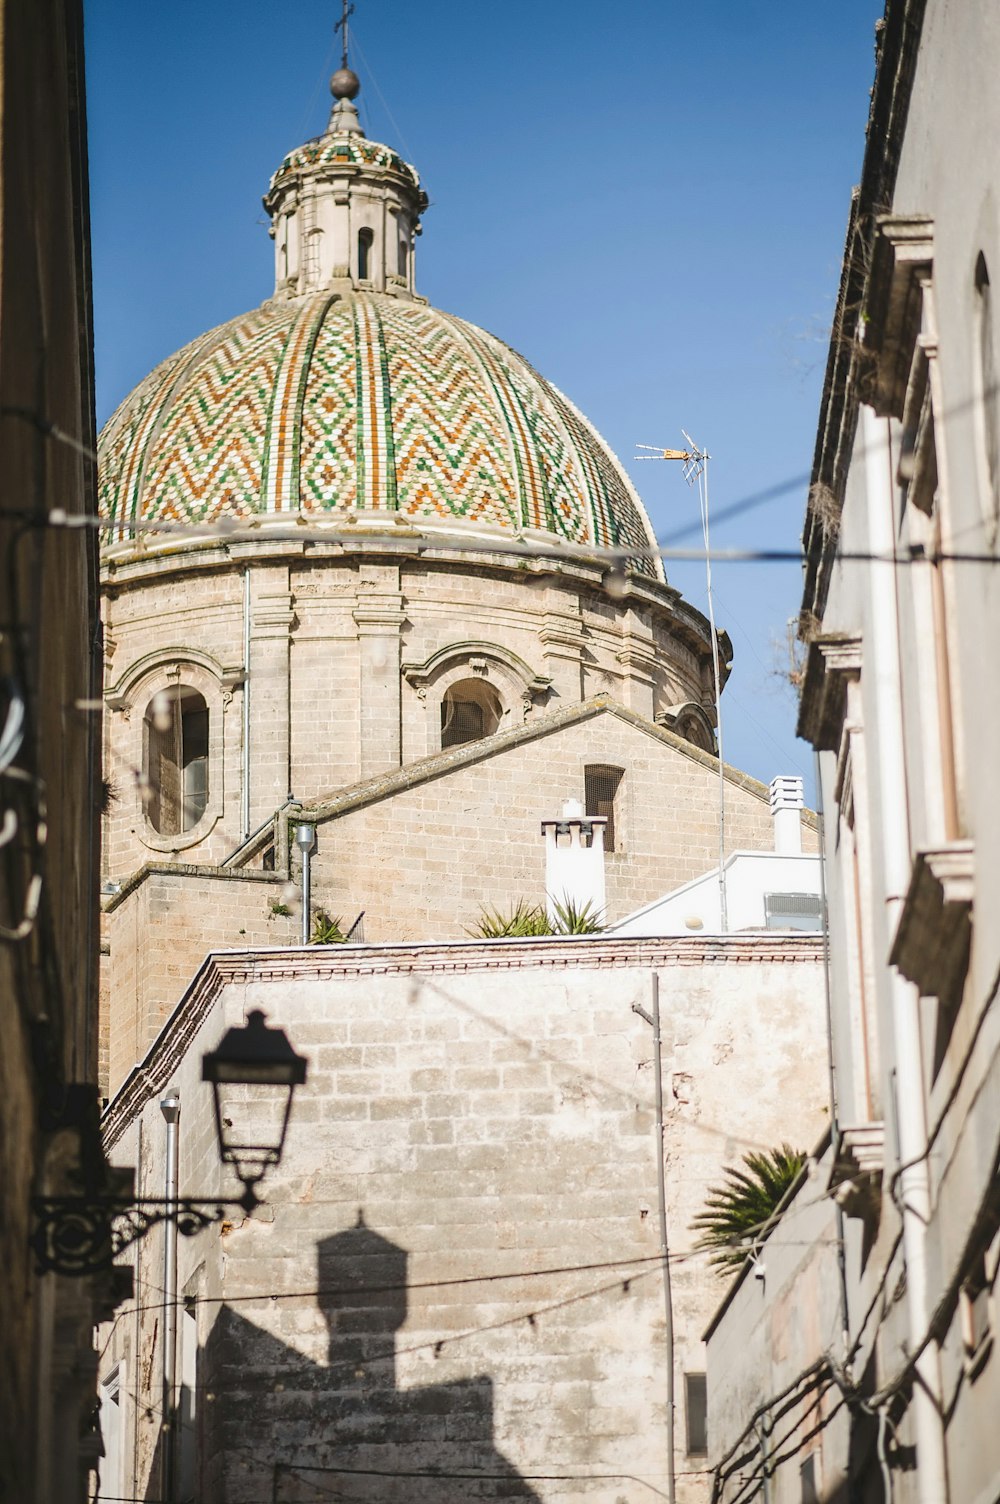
(367, 402)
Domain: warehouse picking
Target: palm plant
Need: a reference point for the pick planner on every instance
(529, 920)
(575, 919)
(326, 931)
(523, 920)
(738, 1214)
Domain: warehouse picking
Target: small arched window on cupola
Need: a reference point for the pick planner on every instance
(176, 759)
(470, 710)
(403, 250)
(366, 240)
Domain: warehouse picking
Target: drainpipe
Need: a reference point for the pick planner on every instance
(305, 840)
(170, 1106)
(661, 1191)
(911, 1119)
(245, 753)
(831, 1064)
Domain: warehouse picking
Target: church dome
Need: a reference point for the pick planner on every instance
(360, 401)
(345, 398)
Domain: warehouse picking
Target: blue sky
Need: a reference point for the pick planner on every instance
(648, 200)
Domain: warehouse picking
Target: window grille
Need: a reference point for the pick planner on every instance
(793, 911)
(470, 710)
(601, 783)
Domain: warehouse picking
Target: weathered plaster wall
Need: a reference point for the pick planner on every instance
(779, 1319)
(489, 1111)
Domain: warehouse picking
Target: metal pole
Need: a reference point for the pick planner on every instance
(170, 1106)
(661, 1190)
(305, 840)
(845, 1325)
(306, 892)
(245, 759)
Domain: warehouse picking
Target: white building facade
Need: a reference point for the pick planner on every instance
(901, 700)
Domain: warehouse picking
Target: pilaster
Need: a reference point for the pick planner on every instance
(562, 638)
(271, 621)
(379, 618)
(638, 658)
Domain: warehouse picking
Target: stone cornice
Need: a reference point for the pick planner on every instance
(339, 962)
(903, 257)
(931, 944)
(185, 869)
(355, 539)
(833, 659)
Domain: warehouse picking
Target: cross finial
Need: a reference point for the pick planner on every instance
(346, 10)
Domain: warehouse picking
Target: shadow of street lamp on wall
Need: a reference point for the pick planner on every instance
(254, 1073)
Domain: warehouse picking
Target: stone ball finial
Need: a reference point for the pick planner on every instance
(345, 84)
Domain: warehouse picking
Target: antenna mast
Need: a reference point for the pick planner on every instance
(695, 462)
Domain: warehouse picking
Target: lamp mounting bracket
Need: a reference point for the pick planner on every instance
(81, 1235)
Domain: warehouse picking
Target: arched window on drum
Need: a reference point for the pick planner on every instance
(176, 760)
(470, 710)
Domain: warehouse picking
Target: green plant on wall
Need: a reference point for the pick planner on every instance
(523, 920)
(739, 1213)
(326, 931)
(529, 920)
(576, 919)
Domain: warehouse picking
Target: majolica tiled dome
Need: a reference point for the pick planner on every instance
(336, 151)
(368, 401)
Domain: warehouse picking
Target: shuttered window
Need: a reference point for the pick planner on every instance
(176, 752)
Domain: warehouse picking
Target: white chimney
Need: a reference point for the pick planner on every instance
(574, 872)
(786, 804)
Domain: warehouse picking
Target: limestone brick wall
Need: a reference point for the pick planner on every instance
(158, 932)
(349, 658)
(457, 1272)
(424, 861)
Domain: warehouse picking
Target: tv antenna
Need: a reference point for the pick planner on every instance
(695, 471)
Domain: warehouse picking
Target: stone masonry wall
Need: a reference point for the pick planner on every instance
(423, 862)
(349, 659)
(159, 932)
(454, 1292)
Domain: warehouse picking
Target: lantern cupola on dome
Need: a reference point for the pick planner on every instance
(345, 211)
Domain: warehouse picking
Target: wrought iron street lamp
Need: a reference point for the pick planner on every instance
(253, 1073)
